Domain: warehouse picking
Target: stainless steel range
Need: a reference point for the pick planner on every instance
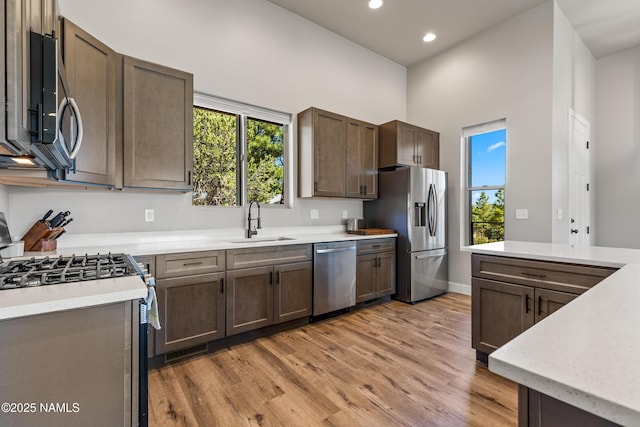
(73, 334)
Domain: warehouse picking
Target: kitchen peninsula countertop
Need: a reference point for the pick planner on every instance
(588, 353)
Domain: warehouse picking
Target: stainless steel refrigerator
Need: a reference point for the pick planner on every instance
(413, 202)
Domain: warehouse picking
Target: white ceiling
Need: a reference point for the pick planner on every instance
(396, 29)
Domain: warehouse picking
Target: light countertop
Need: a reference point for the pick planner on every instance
(588, 353)
(43, 299)
(23, 302)
(156, 243)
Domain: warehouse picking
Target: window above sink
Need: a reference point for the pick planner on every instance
(241, 153)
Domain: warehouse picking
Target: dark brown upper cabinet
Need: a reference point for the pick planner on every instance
(404, 144)
(90, 68)
(157, 121)
(337, 156)
(362, 160)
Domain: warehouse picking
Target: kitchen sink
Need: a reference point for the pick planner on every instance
(262, 239)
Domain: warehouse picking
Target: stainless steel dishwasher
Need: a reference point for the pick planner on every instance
(334, 276)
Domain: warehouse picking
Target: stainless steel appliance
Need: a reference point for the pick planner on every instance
(84, 366)
(31, 136)
(355, 224)
(412, 201)
(334, 276)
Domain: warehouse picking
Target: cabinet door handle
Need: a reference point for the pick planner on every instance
(525, 273)
(271, 277)
(187, 264)
(222, 285)
(540, 305)
(189, 177)
(526, 303)
(278, 277)
(365, 190)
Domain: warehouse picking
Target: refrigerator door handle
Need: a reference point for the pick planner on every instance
(432, 210)
(431, 254)
(419, 214)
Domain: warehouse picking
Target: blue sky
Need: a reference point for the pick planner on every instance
(488, 160)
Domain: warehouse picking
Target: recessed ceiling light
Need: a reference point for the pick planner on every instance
(429, 37)
(374, 4)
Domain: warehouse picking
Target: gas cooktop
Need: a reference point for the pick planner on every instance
(64, 269)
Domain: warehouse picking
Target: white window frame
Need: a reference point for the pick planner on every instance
(245, 111)
(466, 188)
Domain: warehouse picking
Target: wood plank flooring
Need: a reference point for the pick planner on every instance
(392, 364)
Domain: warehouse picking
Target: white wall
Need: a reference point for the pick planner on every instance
(618, 150)
(505, 72)
(250, 51)
(573, 88)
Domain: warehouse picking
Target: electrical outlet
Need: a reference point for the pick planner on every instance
(149, 215)
(522, 214)
(345, 214)
(315, 214)
(559, 213)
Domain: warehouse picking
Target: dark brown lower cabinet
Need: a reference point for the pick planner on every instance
(249, 299)
(365, 277)
(264, 296)
(510, 295)
(499, 313)
(375, 269)
(375, 276)
(191, 311)
(536, 409)
(548, 301)
(292, 292)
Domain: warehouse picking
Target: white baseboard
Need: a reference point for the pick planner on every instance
(459, 288)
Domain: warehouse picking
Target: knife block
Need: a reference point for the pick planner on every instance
(41, 238)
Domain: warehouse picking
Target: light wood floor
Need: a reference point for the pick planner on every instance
(392, 364)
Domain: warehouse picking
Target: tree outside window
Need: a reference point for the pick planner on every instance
(235, 155)
(486, 166)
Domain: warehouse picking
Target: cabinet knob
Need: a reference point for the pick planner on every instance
(574, 231)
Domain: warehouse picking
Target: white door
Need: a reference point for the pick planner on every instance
(579, 180)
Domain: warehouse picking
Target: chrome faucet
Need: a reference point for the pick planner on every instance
(253, 231)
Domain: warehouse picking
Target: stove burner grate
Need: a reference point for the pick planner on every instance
(64, 269)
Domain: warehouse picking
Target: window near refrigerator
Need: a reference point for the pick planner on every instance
(486, 172)
(239, 153)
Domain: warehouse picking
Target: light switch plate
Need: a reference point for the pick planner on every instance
(522, 214)
(345, 214)
(149, 215)
(315, 214)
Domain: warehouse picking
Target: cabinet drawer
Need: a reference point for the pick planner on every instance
(189, 264)
(376, 245)
(272, 255)
(572, 278)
